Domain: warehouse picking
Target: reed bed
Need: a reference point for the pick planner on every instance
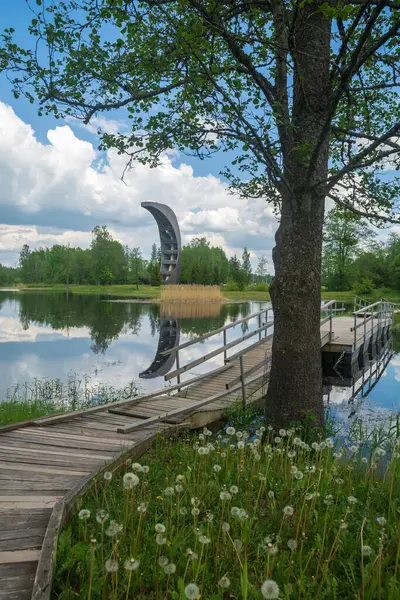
(239, 515)
(191, 293)
(189, 310)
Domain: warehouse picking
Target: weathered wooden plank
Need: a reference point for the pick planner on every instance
(40, 469)
(81, 444)
(17, 543)
(43, 579)
(20, 556)
(49, 452)
(50, 460)
(43, 433)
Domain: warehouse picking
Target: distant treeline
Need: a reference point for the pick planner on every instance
(355, 259)
(107, 261)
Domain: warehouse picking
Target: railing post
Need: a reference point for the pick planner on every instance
(178, 377)
(266, 321)
(355, 330)
(242, 381)
(330, 323)
(225, 355)
(259, 326)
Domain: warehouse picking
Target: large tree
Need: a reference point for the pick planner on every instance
(302, 95)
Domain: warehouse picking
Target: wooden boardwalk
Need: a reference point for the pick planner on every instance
(45, 463)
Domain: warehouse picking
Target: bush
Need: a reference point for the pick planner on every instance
(222, 517)
(259, 287)
(364, 288)
(232, 286)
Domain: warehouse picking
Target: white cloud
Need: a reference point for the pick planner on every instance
(56, 192)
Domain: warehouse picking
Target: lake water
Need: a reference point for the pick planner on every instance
(47, 335)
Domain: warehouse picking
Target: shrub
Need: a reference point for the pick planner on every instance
(260, 287)
(232, 286)
(222, 517)
(364, 287)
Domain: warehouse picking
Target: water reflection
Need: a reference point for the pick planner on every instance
(47, 335)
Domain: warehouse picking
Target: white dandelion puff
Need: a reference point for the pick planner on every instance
(114, 528)
(238, 544)
(112, 565)
(366, 550)
(142, 508)
(131, 564)
(170, 569)
(169, 491)
(136, 467)
(204, 539)
(224, 495)
(224, 582)
(381, 521)
(292, 544)
(282, 432)
(159, 528)
(217, 468)
(84, 514)
(240, 445)
(352, 500)
(270, 589)
(160, 539)
(145, 469)
(235, 511)
(102, 516)
(234, 489)
(107, 475)
(163, 561)
(195, 512)
(230, 431)
(180, 478)
(288, 511)
(192, 591)
(226, 527)
(130, 481)
(179, 488)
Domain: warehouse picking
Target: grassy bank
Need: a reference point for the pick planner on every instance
(44, 397)
(216, 517)
(150, 292)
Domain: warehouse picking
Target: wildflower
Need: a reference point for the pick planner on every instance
(288, 511)
(262, 429)
(292, 544)
(192, 591)
(163, 561)
(169, 491)
(136, 467)
(343, 525)
(379, 452)
(179, 488)
(159, 528)
(310, 496)
(226, 527)
(194, 501)
(107, 475)
(192, 555)
(130, 481)
(224, 495)
(201, 436)
(270, 589)
(262, 477)
(114, 529)
(195, 512)
(224, 582)
(131, 564)
(339, 481)
(84, 514)
(256, 456)
(297, 441)
(240, 445)
(238, 544)
(271, 494)
(299, 475)
(352, 500)
(353, 449)
(204, 540)
(183, 511)
(235, 511)
(180, 478)
(329, 443)
(142, 508)
(282, 432)
(328, 499)
(234, 489)
(160, 539)
(230, 431)
(381, 521)
(101, 516)
(223, 454)
(243, 514)
(239, 435)
(170, 569)
(315, 446)
(311, 469)
(210, 517)
(217, 468)
(277, 440)
(364, 460)
(145, 469)
(112, 565)
(291, 453)
(366, 550)
(203, 450)
(273, 549)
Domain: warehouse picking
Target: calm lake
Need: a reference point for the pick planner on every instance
(45, 335)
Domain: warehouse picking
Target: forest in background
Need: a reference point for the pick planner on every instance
(108, 262)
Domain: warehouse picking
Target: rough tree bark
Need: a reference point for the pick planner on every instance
(295, 383)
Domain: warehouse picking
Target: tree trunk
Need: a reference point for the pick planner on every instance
(295, 383)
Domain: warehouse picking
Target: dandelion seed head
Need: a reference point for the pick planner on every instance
(223, 454)
(209, 517)
(160, 539)
(297, 441)
(240, 445)
(288, 511)
(84, 514)
(114, 528)
(107, 475)
(163, 561)
(343, 525)
(352, 500)
(203, 450)
(201, 436)
(224, 582)
(130, 481)
(137, 467)
(131, 564)
(277, 440)
(145, 469)
(366, 550)
(292, 544)
(282, 432)
(179, 488)
(217, 468)
(310, 496)
(273, 549)
(235, 511)
(381, 521)
(224, 495)
(203, 539)
(102, 516)
(170, 569)
(230, 431)
(328, 499)
(183, 511)
(226, 527)
(195, 512)
(270, 589)
(142, 508)
(293, 469)
(291, 453)
(180, 478)
(112, 565)
(192, 591)
(364, 460)
(159, 528)
(262, 477)
(194, 501)
(238, 544)
(169, 491)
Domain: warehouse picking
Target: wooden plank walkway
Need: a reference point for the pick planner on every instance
(41, 462)
(343, 339)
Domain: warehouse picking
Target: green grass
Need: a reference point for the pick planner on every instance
(43, 397)
(202, 518)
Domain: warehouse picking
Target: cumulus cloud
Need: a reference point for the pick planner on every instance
(58, 191)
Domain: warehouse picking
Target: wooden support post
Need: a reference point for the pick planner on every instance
(178, 377)
(225, 353)
(259, 326)
(242, 381)
(355, 330)
(330, 323)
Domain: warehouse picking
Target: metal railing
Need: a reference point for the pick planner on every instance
(332, 308)
(372, 318)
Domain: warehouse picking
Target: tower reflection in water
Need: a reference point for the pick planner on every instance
(169, 339)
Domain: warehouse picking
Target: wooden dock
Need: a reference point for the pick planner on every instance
(46, 463)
